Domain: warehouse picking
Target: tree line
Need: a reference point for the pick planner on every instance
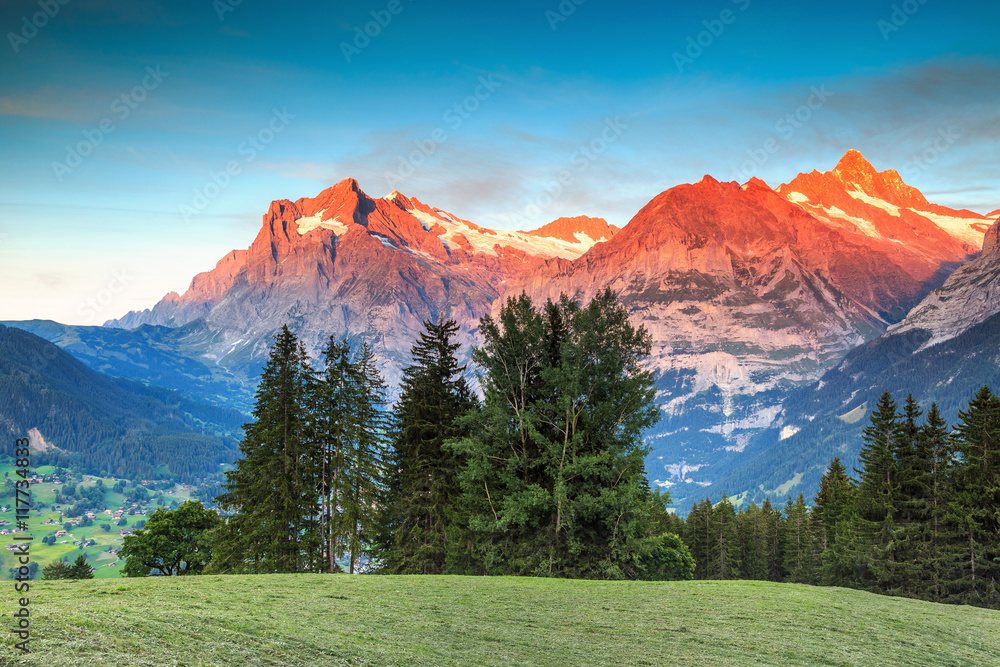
(544, 476)
(921, 519)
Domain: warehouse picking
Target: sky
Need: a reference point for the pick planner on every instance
(141, 141)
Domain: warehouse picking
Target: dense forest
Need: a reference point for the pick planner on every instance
(921, 518)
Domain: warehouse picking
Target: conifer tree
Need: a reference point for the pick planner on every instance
(867, 539)
(698, 536)
(364, 476)
(273, 491)
(928, 508)
(57, 569)
(799, 553)
(422, 489)
(774, 529)
(906, 527)
(831, 508)
(554, 480)
(724, 554)
(752, 533)
(974, 511)
(335, 423)
(80, 569)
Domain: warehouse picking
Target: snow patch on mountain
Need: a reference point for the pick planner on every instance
(486, 240)
(309, 223)
(960, 228)
(874, 201)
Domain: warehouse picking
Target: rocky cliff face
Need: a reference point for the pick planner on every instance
(748, 292)
(971, 295)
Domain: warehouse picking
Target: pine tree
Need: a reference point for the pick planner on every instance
(273, 490)
(365, 470)
(80, 569)
(831, 508)
(974, 511)
(799, 553)
(724, 549)
(867, 539)
(422, 488)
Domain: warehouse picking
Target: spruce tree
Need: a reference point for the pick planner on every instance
(974, 511)
(752, 534)
(334, 425)
(799, 552)
(831, 509)
(364, 476)
(57, 569)
(273, 491)
(698, 536)
(867, 540)
(80, 569)
(928, 508)
(907, 524)
(421, 510)
(774, 530)
(724, 549)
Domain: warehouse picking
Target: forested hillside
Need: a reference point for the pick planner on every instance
(106, 424)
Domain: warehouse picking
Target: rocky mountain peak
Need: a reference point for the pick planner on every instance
(854, 171)
(991, 242)
(853, 167)
(567, 229)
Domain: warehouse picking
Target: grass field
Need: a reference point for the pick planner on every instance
(373, 620)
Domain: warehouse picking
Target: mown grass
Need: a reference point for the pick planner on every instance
(381, 620)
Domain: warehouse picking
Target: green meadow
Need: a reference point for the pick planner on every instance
(438, 620)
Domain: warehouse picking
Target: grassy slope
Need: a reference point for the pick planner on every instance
(361, 620)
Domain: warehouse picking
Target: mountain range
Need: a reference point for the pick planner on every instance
(750, 293)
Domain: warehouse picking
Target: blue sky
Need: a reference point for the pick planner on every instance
(162, 96)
